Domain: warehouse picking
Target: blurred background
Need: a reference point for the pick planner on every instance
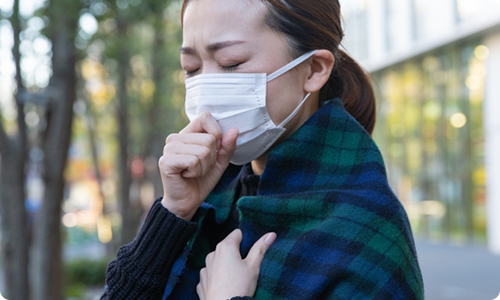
(437, 67)
(89, 90)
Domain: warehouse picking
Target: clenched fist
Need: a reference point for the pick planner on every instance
(193, 162)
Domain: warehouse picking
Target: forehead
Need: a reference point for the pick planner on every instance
(215, 20)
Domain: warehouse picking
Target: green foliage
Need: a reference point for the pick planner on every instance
(85, 272)
(74, 291)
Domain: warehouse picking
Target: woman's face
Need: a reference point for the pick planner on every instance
(231, 36)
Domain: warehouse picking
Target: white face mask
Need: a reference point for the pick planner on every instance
(239, 100)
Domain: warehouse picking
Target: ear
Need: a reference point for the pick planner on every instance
(320, 68)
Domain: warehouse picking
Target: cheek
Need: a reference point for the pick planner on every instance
(283, 96)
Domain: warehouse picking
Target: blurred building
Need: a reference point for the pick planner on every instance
(437, 65)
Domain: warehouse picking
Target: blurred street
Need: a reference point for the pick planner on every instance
(458, 272)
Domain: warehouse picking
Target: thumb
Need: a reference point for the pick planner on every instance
(260, 247)
(228, 146)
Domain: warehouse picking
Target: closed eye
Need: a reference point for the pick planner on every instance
(191, 73)
(230, 68)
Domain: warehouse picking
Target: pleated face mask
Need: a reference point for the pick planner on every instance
(239, 100)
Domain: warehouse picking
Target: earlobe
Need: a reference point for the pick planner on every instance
(320, 68)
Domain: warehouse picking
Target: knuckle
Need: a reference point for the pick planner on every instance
(170, 138)
(168, 148)
(161, 161)
(205, 153)
(211, 139)
(220, 246)
(194, 161)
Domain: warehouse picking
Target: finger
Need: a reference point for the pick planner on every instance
(202, 139)
(209, 259)
(204, 154)
(234, 238)
(228, 146)
(200, 292)
(186, 165)
(200, 288)
(260, 247)
(204, 123)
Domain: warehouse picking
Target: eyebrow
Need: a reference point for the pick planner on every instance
(211, 48)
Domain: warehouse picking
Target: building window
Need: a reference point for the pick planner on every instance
(430, 130)
(355, 17)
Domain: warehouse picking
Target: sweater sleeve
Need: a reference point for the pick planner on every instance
(142, 267)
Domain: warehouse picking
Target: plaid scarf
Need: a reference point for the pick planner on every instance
(342, 233)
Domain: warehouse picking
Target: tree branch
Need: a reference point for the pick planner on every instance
(16, 28)
(4, 139)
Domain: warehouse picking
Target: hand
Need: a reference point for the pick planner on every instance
(226, 274)
(193, 162)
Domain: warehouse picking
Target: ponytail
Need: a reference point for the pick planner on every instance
(351, 83)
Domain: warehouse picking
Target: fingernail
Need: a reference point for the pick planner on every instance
(270, 238)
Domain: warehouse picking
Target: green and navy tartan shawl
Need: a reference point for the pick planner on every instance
(342, 233)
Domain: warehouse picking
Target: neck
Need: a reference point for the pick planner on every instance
(259, 164)
(308, 109)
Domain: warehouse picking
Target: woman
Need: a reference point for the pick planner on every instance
(299, 210)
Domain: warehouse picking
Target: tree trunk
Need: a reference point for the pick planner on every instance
(47, 266)
(14, 226)
(156, 117)
(91, 125)
(127, 231)
(12, 191)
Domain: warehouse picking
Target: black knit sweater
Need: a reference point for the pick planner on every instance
(142, 267)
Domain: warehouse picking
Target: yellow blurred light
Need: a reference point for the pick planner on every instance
(479, 177)
(476, 98)
(104, 231)
(179, 76)
(138, 66)
(87, 219)
(473, 82)
(432, 208)
(396, 150)
(458, 120)
(398, 130)
(69, 220)
(432, 110)
(482, 52)
(116, 219)
(147, 88)
(430, 63)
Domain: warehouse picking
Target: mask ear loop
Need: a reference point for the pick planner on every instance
(294, 112)
(291, 65)
(285, 69)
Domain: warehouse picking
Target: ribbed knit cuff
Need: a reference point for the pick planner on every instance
(142, 267)
(160, 241)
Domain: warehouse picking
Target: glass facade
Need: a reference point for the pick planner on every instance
(430, 130)
(356, 26)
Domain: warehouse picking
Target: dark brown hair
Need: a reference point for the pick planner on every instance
(312, 25)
